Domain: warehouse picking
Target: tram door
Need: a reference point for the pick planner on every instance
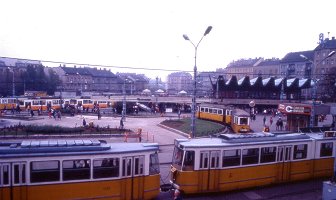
(132, 172)
(4, 181)
(209, 171)
(284, 163)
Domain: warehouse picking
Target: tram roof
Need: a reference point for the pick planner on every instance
(43, 148)
(248, 139)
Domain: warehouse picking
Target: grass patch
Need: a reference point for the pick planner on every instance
(203, 127)
(48, 130)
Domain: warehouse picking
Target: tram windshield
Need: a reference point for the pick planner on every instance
(243, 121)
(183, 160)
(154, 166)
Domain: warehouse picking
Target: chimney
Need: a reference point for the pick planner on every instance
(333, 38)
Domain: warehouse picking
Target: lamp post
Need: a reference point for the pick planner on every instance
(193, 108)
(80, 80)
(13, 83)
(312, 115)
(123, 112)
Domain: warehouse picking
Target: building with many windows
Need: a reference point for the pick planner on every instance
(179, 81)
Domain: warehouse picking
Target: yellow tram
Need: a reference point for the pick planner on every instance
(236, 118)
(78, 169)
(238, 161)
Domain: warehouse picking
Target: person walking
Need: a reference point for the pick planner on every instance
(121, 124)
(264, 120)
(271, 120)
(281, 124)
(84, 122)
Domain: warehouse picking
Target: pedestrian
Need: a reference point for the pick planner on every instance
(49, 113)
(99, 115)
(59, 115)
(84, 122)
(31, 113)
(277, 124)
(264, 120)
(121, 124)
(281, 124)
(271, 121)
(54, 114)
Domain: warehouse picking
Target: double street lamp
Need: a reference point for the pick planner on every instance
(312, 115)
(193, 107)
(13, 86)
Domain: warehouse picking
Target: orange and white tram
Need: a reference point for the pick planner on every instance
(237, 119)
(238, 161)
(78, 169)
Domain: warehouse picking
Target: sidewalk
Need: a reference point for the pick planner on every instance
(151, 131)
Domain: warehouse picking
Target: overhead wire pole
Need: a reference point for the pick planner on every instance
(312, 114)
(13, 83)
(193, 107)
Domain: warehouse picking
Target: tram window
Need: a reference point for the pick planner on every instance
(300, 151)
(55, 102)
(235, 120)
(326, 149)
(204, 160)
(214, 159)
(44, 171)
(5, 175)
(106, 168)
(19, 173)
(214, 111)
(210, 110)
(139, 165)
(154, 167)
(243, 120)
(127, 166)
(206, 109)
(220, 112)
(76, 169)
(177, 157)
(268, 154)
(250, 156)
(202, 109)
(189, 160)
(231, 157)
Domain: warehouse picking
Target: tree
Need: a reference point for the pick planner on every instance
(36, 79)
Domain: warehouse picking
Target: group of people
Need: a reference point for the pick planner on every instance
(56, 114)
(279, 123)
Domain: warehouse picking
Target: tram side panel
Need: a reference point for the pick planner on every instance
(252, 166)
(106, 176)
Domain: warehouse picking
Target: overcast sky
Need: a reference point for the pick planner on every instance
(148, 33)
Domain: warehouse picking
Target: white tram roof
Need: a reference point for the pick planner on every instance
(30, 148)
(226, 140)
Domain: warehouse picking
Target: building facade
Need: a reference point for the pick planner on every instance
(179, 81)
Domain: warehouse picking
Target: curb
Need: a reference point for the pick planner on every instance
(173, 130)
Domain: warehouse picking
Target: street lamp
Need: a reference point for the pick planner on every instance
(123, 112)
(312, 115)
(193, 108)
(13, 86)
(80, 80)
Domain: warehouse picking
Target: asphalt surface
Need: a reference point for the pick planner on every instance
(152, 132)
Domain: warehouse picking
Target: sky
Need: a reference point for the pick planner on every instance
(148, 34)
